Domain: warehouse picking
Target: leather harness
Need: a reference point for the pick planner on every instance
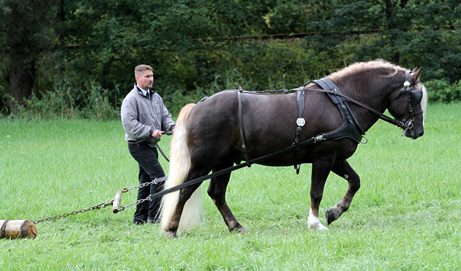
(242, 129)
(348, 129)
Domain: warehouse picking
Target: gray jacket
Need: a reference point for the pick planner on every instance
(141, 114)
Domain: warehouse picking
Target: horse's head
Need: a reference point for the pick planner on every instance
(409, 103)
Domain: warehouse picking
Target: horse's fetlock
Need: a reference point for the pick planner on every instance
(316, 197)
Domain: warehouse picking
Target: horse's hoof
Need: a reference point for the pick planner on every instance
(331, 215)
(171, 234)
(238, 229)
(241, 229)
(318, 227)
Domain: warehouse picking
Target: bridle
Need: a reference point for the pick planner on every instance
(414, 98)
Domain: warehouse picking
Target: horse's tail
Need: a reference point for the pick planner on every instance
(180, 164)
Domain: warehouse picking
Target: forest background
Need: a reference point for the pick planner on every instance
(72, 59)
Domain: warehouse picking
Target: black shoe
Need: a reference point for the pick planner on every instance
(138, 222)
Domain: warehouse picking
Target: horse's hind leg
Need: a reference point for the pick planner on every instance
(217, 192)
(343, 169)
(184, 195)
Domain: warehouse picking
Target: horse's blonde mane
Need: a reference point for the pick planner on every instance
(361, 66)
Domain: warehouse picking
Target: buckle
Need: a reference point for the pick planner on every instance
(300, 122)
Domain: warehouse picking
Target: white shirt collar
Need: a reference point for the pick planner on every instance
(144, 92)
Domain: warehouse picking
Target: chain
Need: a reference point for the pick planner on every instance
(149, 198)
(154, 181)
(104, 204)
(131, 205)
(84, 210)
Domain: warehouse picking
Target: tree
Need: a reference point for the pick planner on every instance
(202, 43)
(27, 31)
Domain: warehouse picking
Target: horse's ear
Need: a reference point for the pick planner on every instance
(416, 74)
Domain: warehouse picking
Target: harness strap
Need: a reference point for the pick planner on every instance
(300, 122)
(242, 131)
(380, 115)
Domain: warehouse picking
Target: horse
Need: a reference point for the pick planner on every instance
(233, 126)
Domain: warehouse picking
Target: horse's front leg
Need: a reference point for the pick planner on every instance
(320, 171)
(217, 192)
(344, 170)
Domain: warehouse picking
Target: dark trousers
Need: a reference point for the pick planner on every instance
(149, 168)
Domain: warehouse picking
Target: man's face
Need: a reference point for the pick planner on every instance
(145, 80)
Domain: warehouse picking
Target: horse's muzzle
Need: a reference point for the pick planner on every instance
(414, 134)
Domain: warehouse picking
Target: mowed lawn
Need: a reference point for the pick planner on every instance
(406, 216)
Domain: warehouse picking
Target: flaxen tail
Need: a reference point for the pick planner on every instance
(180, 164)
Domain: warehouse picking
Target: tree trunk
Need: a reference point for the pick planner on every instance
(29, 31)
(391, 25)
(22, 79)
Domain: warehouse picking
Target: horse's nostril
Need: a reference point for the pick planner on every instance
(415, 134)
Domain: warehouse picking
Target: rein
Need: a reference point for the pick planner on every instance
(400, 124)
(382, 116)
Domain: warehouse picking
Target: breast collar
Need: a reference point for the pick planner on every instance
(350, 127)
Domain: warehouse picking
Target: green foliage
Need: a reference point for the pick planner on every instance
(67, 101)
(58, 103)
(98, 105)
(287, 17)
(442, 91)
(193, 45)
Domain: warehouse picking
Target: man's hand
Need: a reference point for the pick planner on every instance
(157, 134)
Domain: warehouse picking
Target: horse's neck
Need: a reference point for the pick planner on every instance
(369, 95)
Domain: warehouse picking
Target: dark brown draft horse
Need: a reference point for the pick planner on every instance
(210, 136)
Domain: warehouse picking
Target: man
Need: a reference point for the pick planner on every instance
(145, 118)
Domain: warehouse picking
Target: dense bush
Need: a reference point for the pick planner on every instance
(443, 91)
(94, 102)
(66, 101)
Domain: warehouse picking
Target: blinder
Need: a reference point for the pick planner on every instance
(416, 96)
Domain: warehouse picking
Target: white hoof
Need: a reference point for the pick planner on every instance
(317, 226)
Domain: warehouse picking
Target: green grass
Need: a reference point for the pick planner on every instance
(406, 216)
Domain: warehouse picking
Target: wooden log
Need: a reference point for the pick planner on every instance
(12, 229)
(116, 202)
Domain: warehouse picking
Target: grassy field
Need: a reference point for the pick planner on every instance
(406, 216)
